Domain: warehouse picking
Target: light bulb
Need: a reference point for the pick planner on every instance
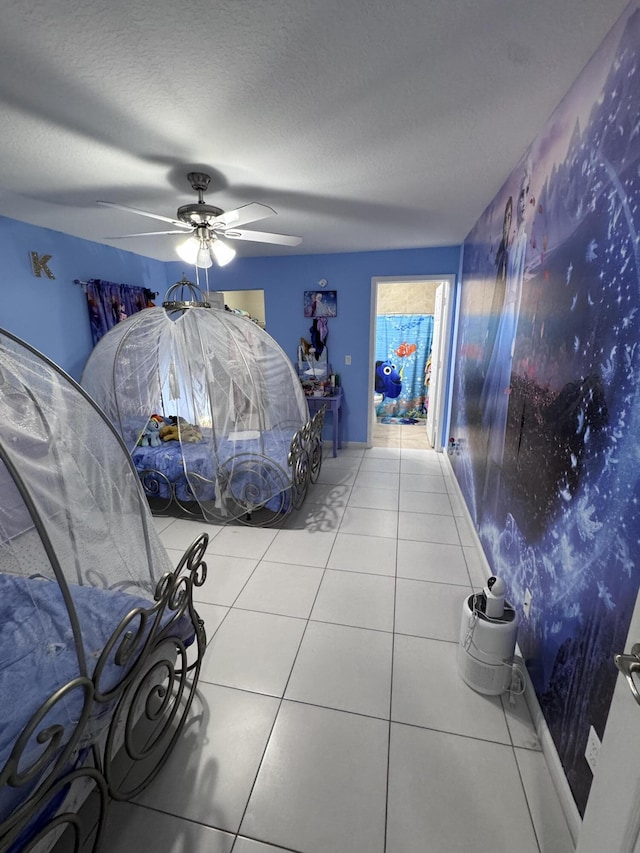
(188, 250)
(222, 253)
(203, 259)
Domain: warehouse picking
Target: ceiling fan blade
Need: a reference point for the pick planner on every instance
(144, 234)
(175, 222)
(262, 237)
(241, 215)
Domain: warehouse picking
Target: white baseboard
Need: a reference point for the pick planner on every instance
(556, 771)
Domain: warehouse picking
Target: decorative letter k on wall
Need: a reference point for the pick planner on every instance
(39, 265)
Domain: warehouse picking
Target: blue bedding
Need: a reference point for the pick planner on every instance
(253, 460)
(38, 656)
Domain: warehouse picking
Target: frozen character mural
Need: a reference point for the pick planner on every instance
(510, 262)
(565, 523)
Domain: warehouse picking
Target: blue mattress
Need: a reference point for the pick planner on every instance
(38, 656)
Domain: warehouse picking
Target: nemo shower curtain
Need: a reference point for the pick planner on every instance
(405, 341)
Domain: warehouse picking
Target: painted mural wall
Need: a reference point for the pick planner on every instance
(546, 402)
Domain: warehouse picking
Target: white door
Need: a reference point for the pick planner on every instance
(612, 817)
(436, 395)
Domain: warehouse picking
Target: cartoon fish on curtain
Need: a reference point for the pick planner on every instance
(388, 380)
(405, 350)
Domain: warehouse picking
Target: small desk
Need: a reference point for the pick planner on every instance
(334, 405)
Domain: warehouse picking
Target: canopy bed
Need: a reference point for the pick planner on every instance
(100, 644)
(210, 408)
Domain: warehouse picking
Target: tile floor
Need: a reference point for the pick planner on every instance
(330, 716)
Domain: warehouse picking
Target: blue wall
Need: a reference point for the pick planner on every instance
(284, 280)
(51, 315)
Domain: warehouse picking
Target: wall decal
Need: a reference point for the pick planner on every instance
(546, 399)
(39, 265)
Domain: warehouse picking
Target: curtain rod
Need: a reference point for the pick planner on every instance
(84, 283)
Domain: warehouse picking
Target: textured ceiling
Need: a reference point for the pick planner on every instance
(366, 124)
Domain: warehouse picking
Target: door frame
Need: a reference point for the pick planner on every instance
(612, 816)
(444, 367)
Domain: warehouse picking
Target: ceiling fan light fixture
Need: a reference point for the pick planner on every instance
(188, 250)
(223, 253)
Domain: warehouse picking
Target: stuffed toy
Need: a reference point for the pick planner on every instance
(151, 434)
(180, 430)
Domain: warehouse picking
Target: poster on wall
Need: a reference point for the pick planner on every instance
(320, 303)
(546, 407)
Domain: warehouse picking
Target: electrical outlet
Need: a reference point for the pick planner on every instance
(593, 749)
(527, 603)
(347, 359)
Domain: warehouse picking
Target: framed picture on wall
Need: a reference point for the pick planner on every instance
(320, 303)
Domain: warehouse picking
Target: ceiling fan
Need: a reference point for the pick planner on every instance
(207, 224)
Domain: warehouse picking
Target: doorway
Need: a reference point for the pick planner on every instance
(399, 299)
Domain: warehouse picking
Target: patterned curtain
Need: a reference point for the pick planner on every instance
(405, 340)
(110, 303)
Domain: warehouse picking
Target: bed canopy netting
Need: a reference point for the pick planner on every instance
(100, 645)
(211, 409)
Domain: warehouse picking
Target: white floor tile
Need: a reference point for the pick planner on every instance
(322, 784)
(241, 541)
(210, 773)
(370, 522)
(309, 547)
(449, 794)
(212, 615)
(431, 502)
(374, 498)
(131, 827)
(429, 692)
(382, 453)
(432, 561)
(315, 517)
(548, 819)
(419, 455)
(225, 578)
(425, 465)
(182, 532)
(160, 521)
(344, 668)
(359, 600)
(423, 527)
(427, 609)
(338, 474)
(253, 651)
(380, 463)
(327, 495)
(285, 589)
(351, 452)
(356, 553)
(377, 480)
(410, 482)
(247, 845)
